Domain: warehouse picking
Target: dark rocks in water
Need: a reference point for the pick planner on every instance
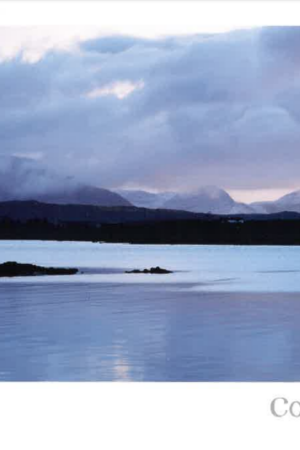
(157, 269)
(14, 269)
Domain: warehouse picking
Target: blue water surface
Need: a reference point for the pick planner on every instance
(227, 313)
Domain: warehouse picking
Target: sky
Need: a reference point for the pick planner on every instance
(157, 111)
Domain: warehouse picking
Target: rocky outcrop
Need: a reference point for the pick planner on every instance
(156, 270)
(14, 269)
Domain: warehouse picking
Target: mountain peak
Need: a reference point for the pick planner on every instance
(206, 199)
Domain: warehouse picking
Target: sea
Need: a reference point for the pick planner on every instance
(226, 313)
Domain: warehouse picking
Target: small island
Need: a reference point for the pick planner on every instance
(14, 269)
(156, 270)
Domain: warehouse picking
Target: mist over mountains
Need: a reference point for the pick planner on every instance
(28, 179)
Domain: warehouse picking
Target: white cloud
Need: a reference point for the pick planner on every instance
(33, 42)
(120, 89)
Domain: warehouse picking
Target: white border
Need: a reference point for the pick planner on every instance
(164, 14)
(142, 416)
(147, 416)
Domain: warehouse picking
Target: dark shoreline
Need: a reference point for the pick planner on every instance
(179, 232)
(30, 220)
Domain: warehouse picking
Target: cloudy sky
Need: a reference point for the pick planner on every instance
(162, 113)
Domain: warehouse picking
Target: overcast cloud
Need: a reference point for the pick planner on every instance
(173, 113)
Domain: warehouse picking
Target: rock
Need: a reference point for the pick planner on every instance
(155, 270)
(14, 269)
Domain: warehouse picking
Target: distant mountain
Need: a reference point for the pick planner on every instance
(145, 199)
(208, 199)
(289, 202)
(264, 207)
(27, 179)
(81, 194)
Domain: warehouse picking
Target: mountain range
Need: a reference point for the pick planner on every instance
(207, 199)
(210, 199)
(27, 179)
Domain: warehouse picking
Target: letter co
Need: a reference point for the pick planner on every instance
(281, 407)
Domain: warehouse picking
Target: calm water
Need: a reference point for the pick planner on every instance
(227, 313)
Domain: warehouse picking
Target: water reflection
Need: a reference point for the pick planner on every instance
(146, 332)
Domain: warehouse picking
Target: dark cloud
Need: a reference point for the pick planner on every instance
(170, 113)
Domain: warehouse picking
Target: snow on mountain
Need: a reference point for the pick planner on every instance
(289, 202)
(145, 199)
(207, 199)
